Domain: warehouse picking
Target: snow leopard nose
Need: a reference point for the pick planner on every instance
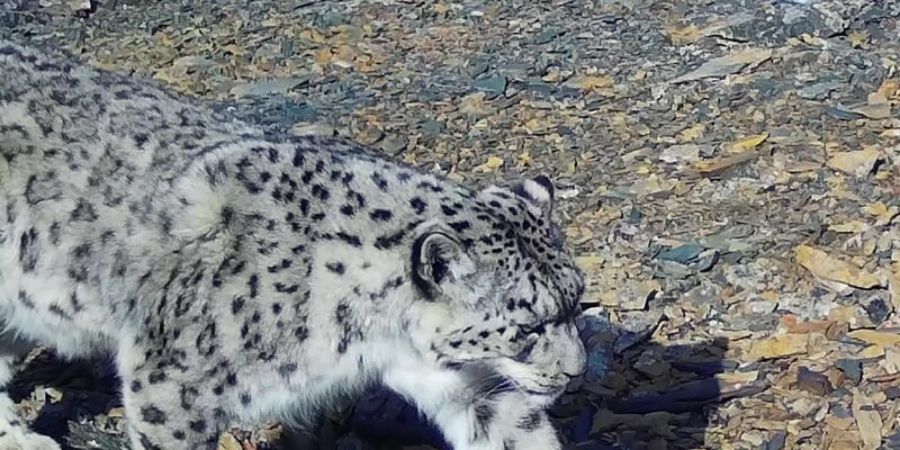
(572, 371)
(574, 363)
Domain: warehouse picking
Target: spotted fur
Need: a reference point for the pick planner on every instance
(238, 276)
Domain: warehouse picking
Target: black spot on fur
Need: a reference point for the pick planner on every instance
(304, 206)
(287, 289)
(254, 285)
(418, 205)
(152, 414)
(388, 241)
(157, 376)
(388, 287)
(531, 421)
(59, 312)
(286, 370)
(342, 313)
(55, 233)
(188, 397)
(335, 267)
(460, 226)
(237, 304)
(78, 265)
(484, 413)
(299, 159)
(147, 443)
(28, 250)
(198, 425)
(380, 182)
(301, 333)
(381, 215)
(349, 332)
(320, 192)
(25, 299)
(83, 212)
(349, 239)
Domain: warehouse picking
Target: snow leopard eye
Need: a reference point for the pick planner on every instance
(526, 351)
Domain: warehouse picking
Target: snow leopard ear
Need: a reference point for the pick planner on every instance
(538, 191)
(437, 260)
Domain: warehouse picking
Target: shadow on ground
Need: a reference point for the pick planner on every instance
(670, 399)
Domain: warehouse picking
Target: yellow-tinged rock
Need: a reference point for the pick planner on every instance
(892, 360)
(533, 125)
(525, 159)
(881, 338)
(227, 441)
(868, 421)
(592, 82)
(829, 268)
(876, 209)
(843, 444)
(684, 35)
(738, 378)
(858, 163)
(747, 143)
(872, 351)
(890, 89)
(835, 423)
(55, 395)
(602, 216)
(692, 134)
(440, 8)
(474, 105)
(778, 347)
(877, 107)
(644, 169)
(589, 263)
(857, 38)
(323, 56)
(493, 163)
(888, 216)
(853, 226)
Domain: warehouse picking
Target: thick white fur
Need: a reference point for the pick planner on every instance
(172, 219)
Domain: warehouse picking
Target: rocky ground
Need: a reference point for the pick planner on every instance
(730, 176)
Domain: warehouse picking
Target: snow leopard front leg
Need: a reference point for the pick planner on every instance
(506, 421)
(14, 432)
(170, 403)
(512, 421)
(500, 421)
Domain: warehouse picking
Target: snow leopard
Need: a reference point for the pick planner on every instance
(237, 276)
